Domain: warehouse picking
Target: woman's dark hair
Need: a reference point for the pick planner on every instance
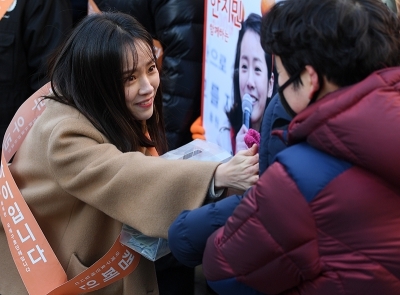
(87, 73)
(343, 40)
(235, 114)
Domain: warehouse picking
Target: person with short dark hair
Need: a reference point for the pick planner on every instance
(324, 216)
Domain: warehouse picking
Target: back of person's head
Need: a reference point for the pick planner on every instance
(343, 40)
(87, 73)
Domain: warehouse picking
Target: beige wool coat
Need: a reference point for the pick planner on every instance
(81, 189)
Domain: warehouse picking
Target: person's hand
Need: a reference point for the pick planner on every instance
(240, 172)
(240, 143)
(198, 131)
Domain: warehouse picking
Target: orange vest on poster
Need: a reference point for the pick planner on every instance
(32, 254)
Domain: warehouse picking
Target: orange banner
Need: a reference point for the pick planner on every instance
(116, 264)
(31, 252)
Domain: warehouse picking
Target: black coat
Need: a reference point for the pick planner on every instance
(178, 25)
(29, 32)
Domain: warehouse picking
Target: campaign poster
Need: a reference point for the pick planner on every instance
(224, 19)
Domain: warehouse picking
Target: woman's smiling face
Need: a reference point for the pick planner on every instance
(253, 74)
(141, 83)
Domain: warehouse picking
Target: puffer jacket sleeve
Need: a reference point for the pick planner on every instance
(179, 28)
(188, 234)
(269, 243)
(275, 117)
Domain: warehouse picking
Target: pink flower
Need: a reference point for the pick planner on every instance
(252, 137)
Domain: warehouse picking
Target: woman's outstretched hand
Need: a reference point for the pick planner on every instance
(240, 172)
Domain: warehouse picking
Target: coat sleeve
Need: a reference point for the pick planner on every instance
(188, 234)
(144, 192)
(270, 241)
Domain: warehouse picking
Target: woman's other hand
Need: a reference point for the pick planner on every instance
(240, 172)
